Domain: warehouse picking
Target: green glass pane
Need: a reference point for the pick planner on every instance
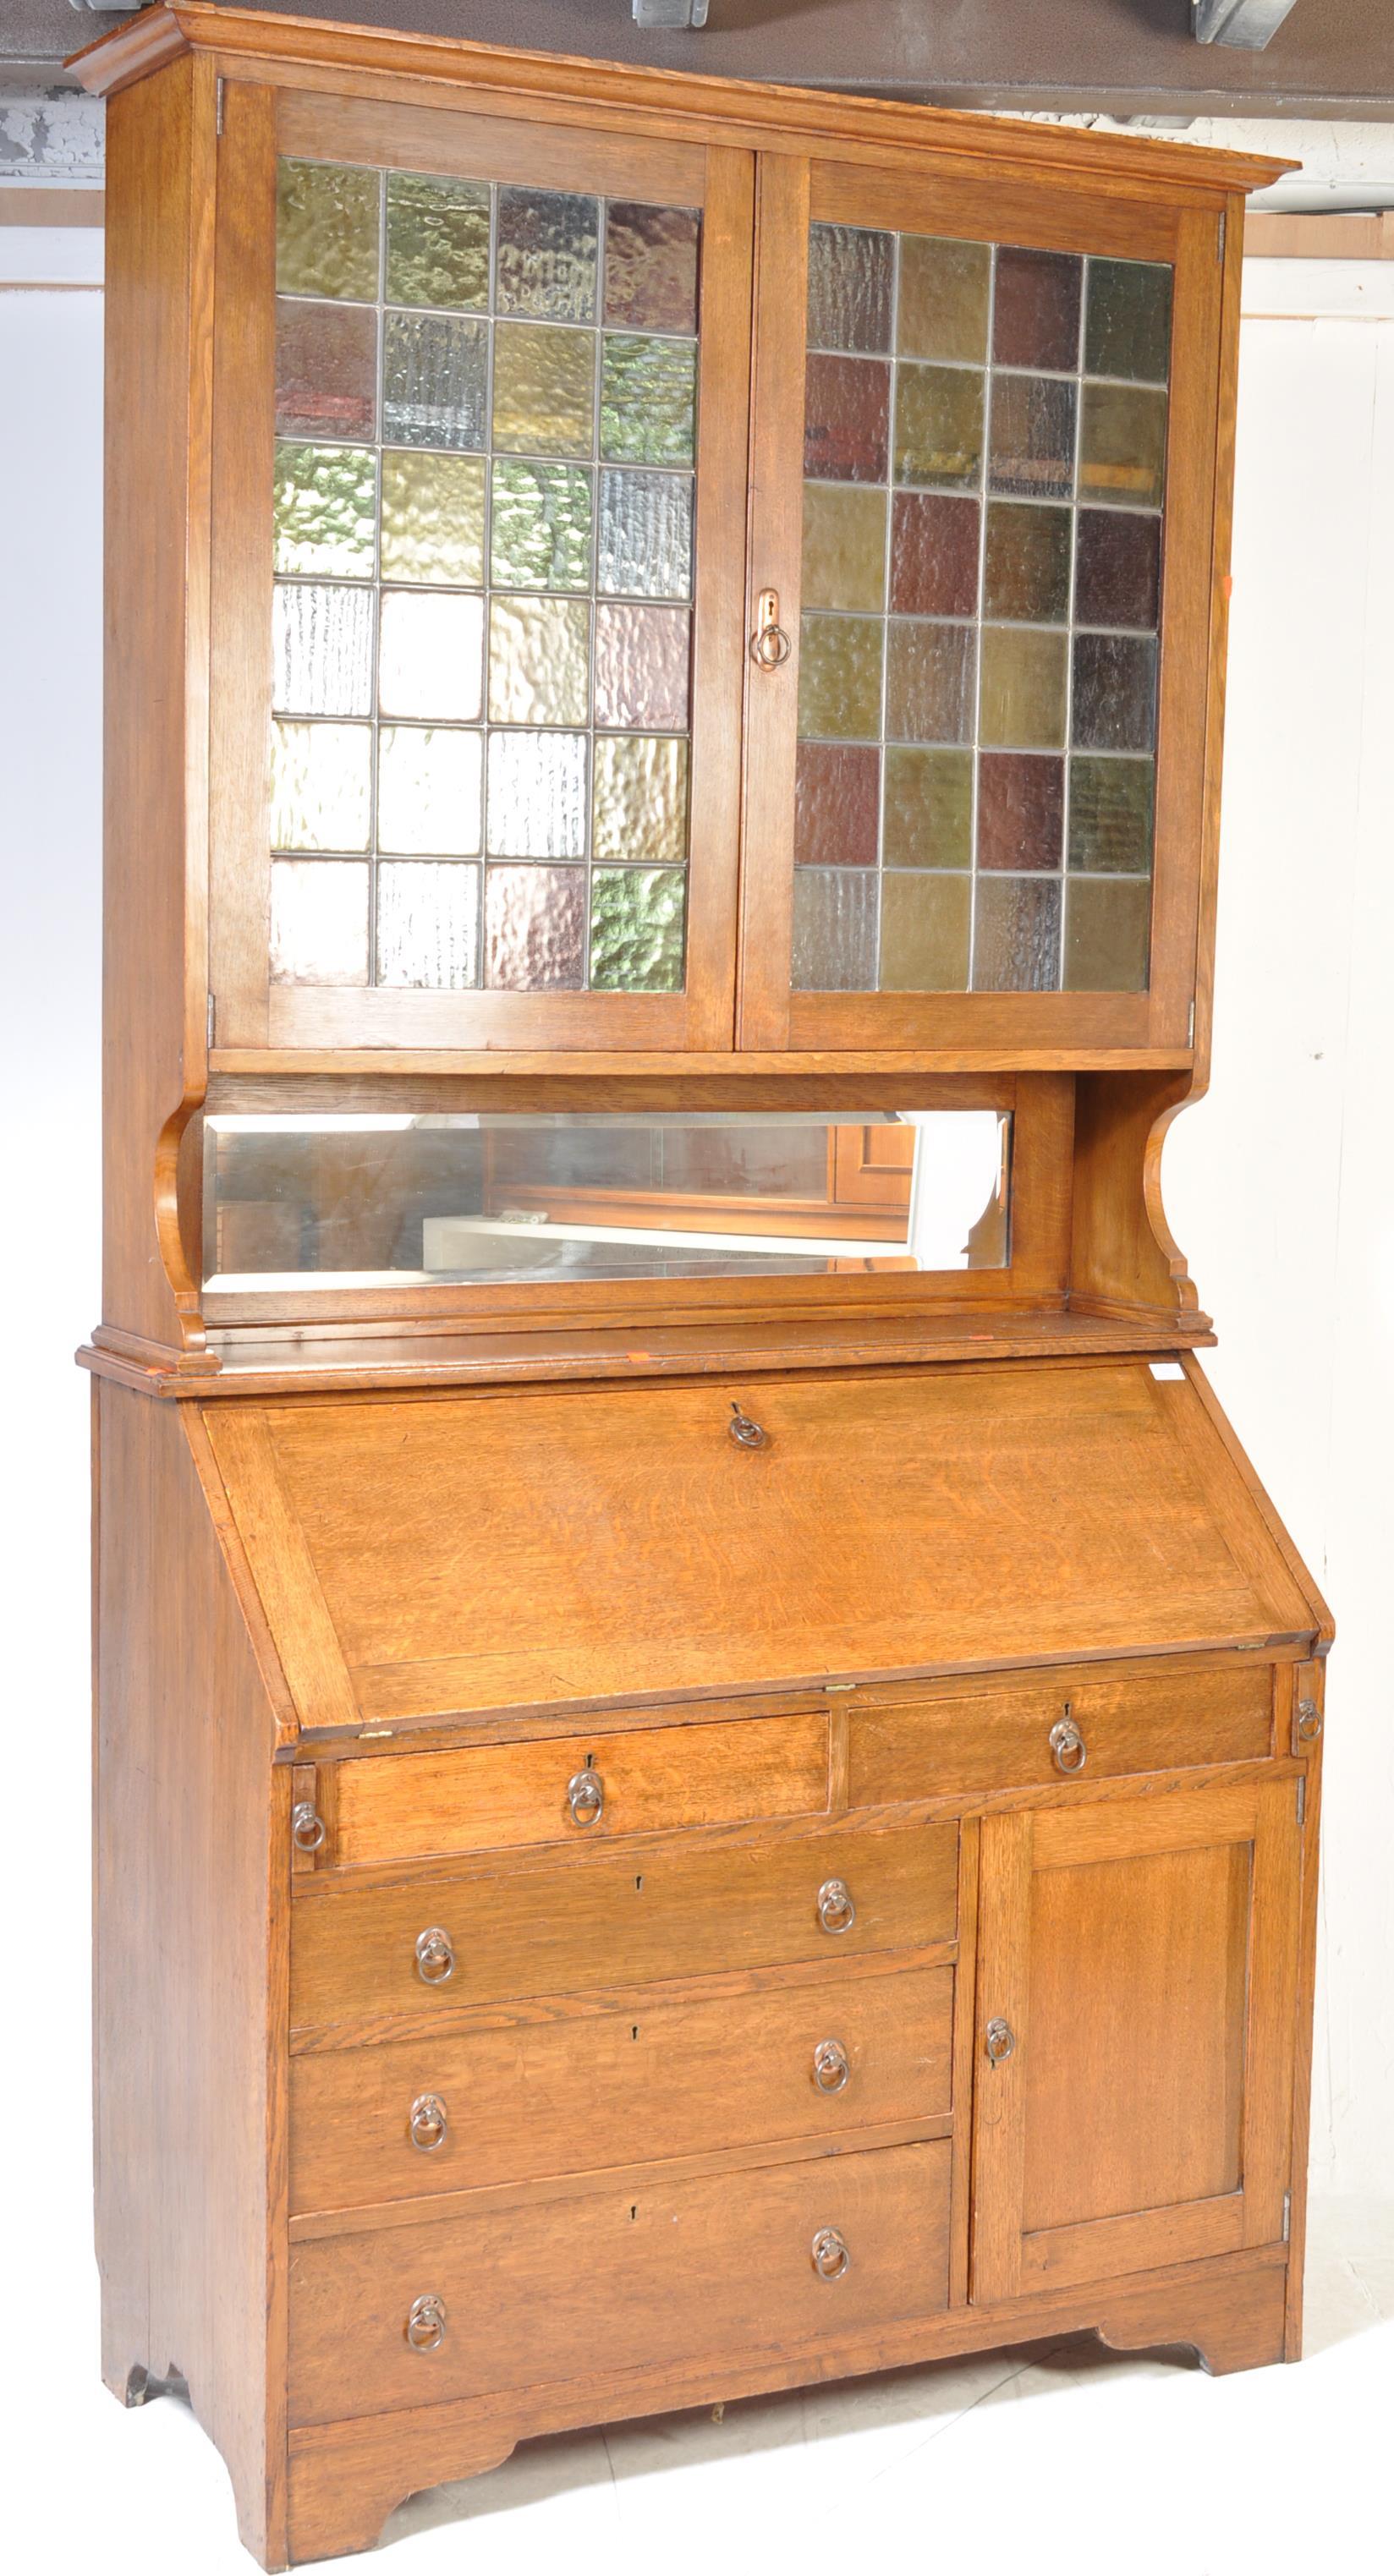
(1027, 571)
(640, 804)
(1107, 928)
(322, 649)
(925, 923)
(321, 786)
(540, 527)
(942, 309)
(319, 921)
(428, 924)
(547, 254)
(537, 795)
(1122, 445)
(844, 546)
(1023, 689)
(544, 389)
(324, 508)
(433, 518)
(429, 782)
(840, 678)
(437, 242)
(1127, 326)
(431, 654)
(938, 425)
(1110, 830)
(637, 917)
(648, 400)
(929, 808)
(327, 230)
(539, 661)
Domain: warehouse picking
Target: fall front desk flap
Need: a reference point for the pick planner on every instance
(515, 1551)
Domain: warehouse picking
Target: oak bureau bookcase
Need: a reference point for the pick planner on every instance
(707, 1749)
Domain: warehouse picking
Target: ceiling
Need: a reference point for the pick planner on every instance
(1330, 58)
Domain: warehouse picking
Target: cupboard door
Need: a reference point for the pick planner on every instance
(1136, 1986)
(984, 444)
(480, 429)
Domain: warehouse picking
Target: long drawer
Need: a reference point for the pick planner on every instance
(572, 2289)
(388, 1807)
(575, 1927)
(585, 2091)
(1020, 1735)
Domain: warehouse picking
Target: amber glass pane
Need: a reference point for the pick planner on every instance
(642, 659)
(840, 677)
(322, 643)
(435, 374)
(943, 300)
(319, 921)
(1021, 810)
(651, 267)
(431, 654)
(1016, 935)
(1027, 570)
(428, 924)
(540, 535)
(934, 555)
(645, 541)
(321, 786)
(433, 518)
(534, 928)
(1111, 816)
(637, 929)
(648, 400)
(437, 244)
(326, 370)
(1115, 692)
(837, 796)
(1118, 575)
(429, 790)
(851, 278)
(929, 683)
(1106, 935)
(539, 660)
(640, 798)
(938, 425)
(327, 230)
(847, 410)
(1127, 331)
(1122, 445)
(544, 389)
(835, 918)
(547, 253)
(1036, 307)
(537, 795)
(844, 546)
(325, 508)
(926, 924)
(1023, 688)
(929, 808)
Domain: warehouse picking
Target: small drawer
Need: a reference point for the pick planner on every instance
(573, 2289)
(392, 1807)
(1065, 1727)
(636, 2086)
(582, 1925)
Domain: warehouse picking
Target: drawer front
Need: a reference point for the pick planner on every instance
(586, 1925)
(489, 1796)
(981, 1741)
(572, 2289)
(555, 2097)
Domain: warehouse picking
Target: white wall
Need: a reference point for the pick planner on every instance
(1279, 1185)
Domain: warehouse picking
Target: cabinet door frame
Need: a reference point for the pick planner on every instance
(1008, 2261)
(1041, 213)
(261, 122)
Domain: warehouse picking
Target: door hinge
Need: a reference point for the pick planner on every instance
(1219, 235)
(1191, 1026)
(1287, 2217)
(219, 95)
(212, 1016)
(1302, 1801)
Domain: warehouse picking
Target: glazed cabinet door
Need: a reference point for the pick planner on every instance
(1136, 1979)
(983, 456)
(480, 421)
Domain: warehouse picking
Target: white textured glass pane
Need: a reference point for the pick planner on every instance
(319, 921)
(323, 642)
(428, 924)
(645, 538)
(537, 795)
(431, 654)
(428, 790)
(321, 786)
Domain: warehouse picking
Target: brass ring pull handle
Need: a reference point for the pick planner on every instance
(425, 2326)
(435, 1956)
(829, 2254)
(769, 645)
(1309, 1720)
(999, 2039)
(830, 2067)
(1068, 1746)
(585, 1796)
(307, 1827)
(745, 1433)
(836, 1911)
(428, 2124)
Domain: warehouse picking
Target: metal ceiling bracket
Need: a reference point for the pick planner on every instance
(1249, 23)
(670, 13)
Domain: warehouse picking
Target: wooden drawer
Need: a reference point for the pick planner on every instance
(636, 2086)
(489, 1796)
(571, 2289)
(1001, 1738)
(582, 1925)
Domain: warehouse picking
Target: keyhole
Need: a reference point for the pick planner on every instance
(634, 2033)
(638, 1887)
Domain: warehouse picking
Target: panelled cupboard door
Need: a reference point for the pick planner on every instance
(480, 420)
(984, 445)
(1136, 1977)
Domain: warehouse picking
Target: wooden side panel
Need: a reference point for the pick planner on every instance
(160, 178)
(190, 1968)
